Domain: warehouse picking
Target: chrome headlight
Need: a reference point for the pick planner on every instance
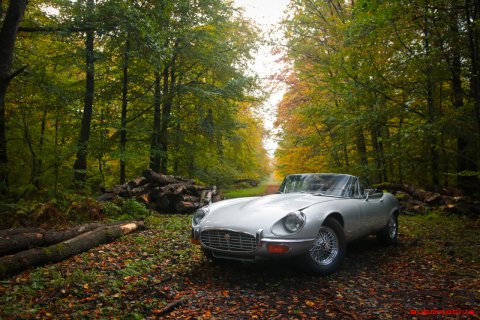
(199, 215)
(294, 221)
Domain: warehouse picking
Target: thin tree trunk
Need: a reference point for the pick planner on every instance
(8, 36)
(36, 180)
(168, 87)
(123, 131)
(28, 140)
(80, 165)
(361, 147)
(101, 152)
(166, 110)
(56, 153)
(431, 139)
(155, 148)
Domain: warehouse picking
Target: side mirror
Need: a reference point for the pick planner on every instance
(372, 194)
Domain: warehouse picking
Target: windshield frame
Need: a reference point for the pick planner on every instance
(322, 184)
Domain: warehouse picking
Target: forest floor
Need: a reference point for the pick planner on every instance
(157, 273)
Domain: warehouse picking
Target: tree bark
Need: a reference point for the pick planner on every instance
(23, 239)
(123, 131)
(13, 264)
(80, 165)
(155, 148)
(8, 36)
(361, 147)
(166, 111)
(472, 10)
(169, 83)
(431, 139)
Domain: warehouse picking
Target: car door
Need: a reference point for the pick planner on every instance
(373, 209)
(353, 210)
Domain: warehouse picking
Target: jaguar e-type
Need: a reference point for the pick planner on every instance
(310, 219)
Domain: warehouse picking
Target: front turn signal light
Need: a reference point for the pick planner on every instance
(277, 248)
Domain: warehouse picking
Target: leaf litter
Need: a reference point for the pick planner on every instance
(157, 273)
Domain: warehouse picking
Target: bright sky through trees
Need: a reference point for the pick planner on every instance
(267, 14)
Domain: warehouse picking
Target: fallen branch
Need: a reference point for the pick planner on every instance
(170, 307)
(13, 264)
(16, 240)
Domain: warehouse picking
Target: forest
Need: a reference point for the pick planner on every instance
(388, 90)
(94, 92)
(112, 109)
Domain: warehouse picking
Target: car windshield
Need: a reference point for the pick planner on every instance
(328, 184)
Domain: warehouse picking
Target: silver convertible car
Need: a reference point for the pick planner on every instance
(310, 219)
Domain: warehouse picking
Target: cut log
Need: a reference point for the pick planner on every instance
(38, 237)
(13, 264)
(186, 206)
(159, 178)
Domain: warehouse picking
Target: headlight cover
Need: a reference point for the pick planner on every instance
(199, 215)
(294, 221)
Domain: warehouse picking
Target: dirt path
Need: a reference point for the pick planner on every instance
(271, 188)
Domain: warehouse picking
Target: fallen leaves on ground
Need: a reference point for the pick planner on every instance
(157, 273)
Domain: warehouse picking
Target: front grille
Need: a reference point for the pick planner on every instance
(228, 240)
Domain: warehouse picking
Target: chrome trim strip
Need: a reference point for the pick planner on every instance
(224, 229)
(287, 240)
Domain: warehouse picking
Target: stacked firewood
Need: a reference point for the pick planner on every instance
(416, 200)
(164, 193)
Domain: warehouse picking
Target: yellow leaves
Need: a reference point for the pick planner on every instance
(207, 27)
(309, 303)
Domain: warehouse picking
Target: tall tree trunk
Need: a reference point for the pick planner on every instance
(101, 151)
(361, 147)
(8, 35)
(155, 148)
(123, 131)
(472, 12)
(168, 87)
(464, 159)
(36, 180)
(57, 154)
(431, 139)
(28, 140)
(80, 165)
(379, 154)
(472, 8)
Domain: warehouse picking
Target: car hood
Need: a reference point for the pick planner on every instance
(252, 214)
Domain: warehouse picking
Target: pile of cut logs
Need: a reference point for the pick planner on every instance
(164, 193)
(416, 200)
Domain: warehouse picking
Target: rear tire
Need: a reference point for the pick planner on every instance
(327, 251)
(388, 235)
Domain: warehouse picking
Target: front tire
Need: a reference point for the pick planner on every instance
(388, 235)
(327, 251)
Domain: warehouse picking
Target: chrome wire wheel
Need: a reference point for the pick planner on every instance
(325, 247)
(392, 227)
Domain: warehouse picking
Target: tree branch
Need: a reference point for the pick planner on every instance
(16, 73)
